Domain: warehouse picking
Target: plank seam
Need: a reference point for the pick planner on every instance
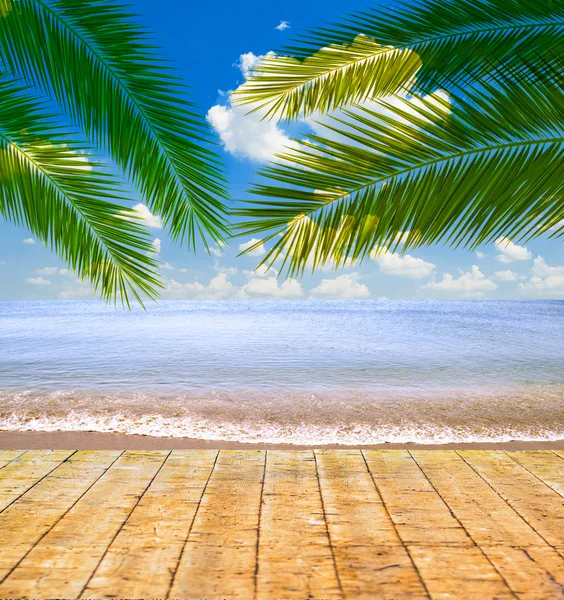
(167, 595)
(104, 471)
(39, 480)
(506, 501)
(337, 575)
(533, 474)
(462, 525)
(122, 526)
(394, 525)
(550, 575)
(13, 459)
(255, 582)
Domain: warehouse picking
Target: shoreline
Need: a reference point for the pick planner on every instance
(81, 440)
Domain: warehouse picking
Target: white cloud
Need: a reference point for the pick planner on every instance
(29, 241)
(505, 275)
(509, 252)
(218, 288)
(260, 250)
(53, 271)
(545, 278)
(246, 135)
(470, 283)
(77, 290)
(283, 25)
(38, 281)
(214, 251)
(47, 271)
(479, 254)
(243, 133)
(167, 267)
(403, 266)
(149, 219)
(262, 271)
(156, 245)
(344, 287)
(248, 61)
(270, 287)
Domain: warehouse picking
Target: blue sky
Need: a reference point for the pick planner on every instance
(207, 41)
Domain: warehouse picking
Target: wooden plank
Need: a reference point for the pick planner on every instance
(219, 558)
(63, 561)
(295, 557)
(533, 573)
(7, 456)
(487, 518)
(30, 517)
(417, 511)
(142, 559)
(458, 571)
(545, 465)
(538, 504)
(26, 470)
(371, 561)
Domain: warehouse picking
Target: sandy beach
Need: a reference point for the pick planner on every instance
(80, 440)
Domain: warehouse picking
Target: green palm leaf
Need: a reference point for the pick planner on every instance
(69, 202)
(452, 40)
(463, 172)
(102, 70)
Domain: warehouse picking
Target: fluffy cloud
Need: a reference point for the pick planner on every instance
(149, 219)
(215, 251)
(343, 287)
(505, 275)
(218, 288)
(260, 250)
(167, 267)
(260, 287)
(248, 61)
(38, 281)
(29, 241)
(53, 271)
(77, 290)
(283, 25)
(47, 271)
(545, 278)
(479, 254)
(246, 135)
(509, 252)
(156, 245)
(403, 266)
(470, 283)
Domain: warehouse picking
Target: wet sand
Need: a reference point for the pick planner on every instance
(80, 440)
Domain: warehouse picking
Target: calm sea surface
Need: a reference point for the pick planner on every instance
(287, 372)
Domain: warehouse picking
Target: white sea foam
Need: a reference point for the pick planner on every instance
(297, 418)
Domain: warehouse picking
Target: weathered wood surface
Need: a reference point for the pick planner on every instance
(282, 524)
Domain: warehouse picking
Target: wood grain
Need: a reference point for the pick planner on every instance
(370, 525)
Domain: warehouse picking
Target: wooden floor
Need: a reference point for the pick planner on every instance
(282, 524)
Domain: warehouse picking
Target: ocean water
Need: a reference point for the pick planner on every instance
(307, 372)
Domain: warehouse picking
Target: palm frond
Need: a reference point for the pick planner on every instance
(68, 200)
(334, 76)
(462, 171)
(454, 40)
(102, 70)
